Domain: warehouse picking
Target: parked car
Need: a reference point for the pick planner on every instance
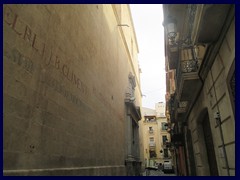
(168, 167)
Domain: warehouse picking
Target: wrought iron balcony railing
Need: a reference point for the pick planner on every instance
(151, 131)
(188, 66)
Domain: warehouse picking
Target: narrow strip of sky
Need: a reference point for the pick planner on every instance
(148, 20)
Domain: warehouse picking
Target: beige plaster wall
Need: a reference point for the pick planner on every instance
(65, 74)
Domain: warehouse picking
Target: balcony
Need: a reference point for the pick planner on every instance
(188, 81)
(213, 19)
(166, 145)
(150, 119)
(194, 19)
(150, 131)
(152, 144)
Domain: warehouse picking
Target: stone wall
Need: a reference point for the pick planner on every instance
(65, 75)
(216, 96)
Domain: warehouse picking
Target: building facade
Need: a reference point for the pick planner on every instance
(155, 136)
(200, 65)
(71, 90)
(160, 109)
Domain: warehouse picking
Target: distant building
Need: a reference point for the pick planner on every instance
(160, 109)
(156, 138)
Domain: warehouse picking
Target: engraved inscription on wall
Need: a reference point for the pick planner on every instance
(51, 58)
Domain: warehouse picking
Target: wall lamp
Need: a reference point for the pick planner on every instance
(170, 25)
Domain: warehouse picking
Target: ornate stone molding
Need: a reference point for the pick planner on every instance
(131, 87)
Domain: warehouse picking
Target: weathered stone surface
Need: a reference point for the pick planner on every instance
(65, 75)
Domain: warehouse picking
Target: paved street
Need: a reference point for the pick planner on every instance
(158, 173)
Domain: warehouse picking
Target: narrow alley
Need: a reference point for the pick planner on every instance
(115, 89)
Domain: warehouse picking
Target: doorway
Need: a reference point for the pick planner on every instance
(209, 145)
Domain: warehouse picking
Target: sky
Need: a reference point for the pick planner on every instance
(147, 19)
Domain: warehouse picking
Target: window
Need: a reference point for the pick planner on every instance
(152, 153)
(133, 131)
(164, 139)
(151, 139)
(164, 127)
(165, 153)
(150, 130)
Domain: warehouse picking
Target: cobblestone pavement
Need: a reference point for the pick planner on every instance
(158, 173)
